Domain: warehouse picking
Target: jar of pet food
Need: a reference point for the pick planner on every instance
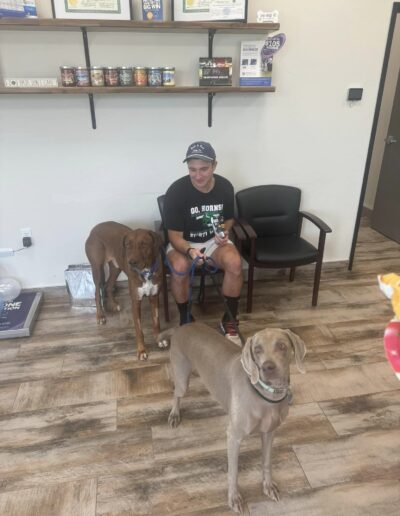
(67, 76)
(168, 76)
(82, 76)
(140, 76)
(154, 76)
(111, 77)
(97, 76)
(125, 76)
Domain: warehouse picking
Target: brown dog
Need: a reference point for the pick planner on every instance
(137, 253)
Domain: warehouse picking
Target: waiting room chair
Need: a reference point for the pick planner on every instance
(272, 222)
(238, 235)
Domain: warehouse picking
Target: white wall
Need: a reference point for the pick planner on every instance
(60, 177)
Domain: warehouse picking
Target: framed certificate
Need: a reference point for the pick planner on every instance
(92, 9)
(209, 10)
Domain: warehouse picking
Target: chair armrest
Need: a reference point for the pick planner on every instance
(317, 221)
(238, 232)
(248, 230)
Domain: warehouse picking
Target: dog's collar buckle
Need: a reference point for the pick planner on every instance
(147, 274)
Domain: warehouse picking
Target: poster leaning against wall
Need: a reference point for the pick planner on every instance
(92, 9)
(209, 10)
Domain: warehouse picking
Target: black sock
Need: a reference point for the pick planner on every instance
(184, 315)
(233, 305)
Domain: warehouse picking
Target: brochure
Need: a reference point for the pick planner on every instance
(256, 60)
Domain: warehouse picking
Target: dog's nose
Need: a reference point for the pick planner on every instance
(268, 367)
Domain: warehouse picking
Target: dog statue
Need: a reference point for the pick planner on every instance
(137, 253)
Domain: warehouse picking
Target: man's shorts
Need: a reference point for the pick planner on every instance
(210, 245)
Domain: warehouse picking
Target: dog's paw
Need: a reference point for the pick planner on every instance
(112, 306)
(142, 355)
(174, 419)
(163, 344)
(271, 490)
(236, 503)
(101, 319)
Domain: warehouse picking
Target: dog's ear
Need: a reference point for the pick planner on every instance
(157, 242)
(248, 363)
(129, 239)
(299, 349)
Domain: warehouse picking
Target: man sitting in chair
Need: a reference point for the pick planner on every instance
(198, 211)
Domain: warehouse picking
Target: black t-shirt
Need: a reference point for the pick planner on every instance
(191, 211)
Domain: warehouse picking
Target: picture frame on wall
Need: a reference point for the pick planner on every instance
(92, 9)
(209, 10)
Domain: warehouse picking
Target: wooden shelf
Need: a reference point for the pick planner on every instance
(99, 25)
(136, 89)
(85, 26)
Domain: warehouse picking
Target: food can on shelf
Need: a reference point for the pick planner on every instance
(125, 76)
(67, 76)
(154, 76)
(140, 75)
(111, 76)
(168, 76)
(82, 76)
(97, 76)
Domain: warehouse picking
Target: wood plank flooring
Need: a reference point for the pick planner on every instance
(83, 424)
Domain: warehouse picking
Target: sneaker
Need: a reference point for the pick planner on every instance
(230, 332)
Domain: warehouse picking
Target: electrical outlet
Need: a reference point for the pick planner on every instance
(26, 232)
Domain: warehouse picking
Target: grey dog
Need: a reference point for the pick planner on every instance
(252, 386)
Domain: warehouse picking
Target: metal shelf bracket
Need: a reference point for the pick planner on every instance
(210, 101)
(87, 59)
(211, 34)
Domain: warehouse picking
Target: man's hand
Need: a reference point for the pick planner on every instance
(197, 253)
(222, 241)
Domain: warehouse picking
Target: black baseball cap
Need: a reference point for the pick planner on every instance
(200, 150)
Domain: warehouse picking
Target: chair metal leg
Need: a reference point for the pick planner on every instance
(250, 288)
(291, 275)
(200, 297)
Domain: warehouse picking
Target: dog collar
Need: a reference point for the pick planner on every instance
(265, 387)
(147, 274)
(268, 399)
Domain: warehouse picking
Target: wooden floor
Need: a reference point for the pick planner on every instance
(83, 425)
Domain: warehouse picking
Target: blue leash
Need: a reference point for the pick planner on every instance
(208, 266)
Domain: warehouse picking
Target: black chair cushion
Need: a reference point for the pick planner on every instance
(284, 250)
(270, 209)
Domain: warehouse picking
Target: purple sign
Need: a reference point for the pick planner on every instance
(17, 317)
(272, 45)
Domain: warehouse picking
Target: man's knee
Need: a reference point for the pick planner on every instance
(232, 261)
(178, 263)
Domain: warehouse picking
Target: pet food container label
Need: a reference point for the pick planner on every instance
(154, 76)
